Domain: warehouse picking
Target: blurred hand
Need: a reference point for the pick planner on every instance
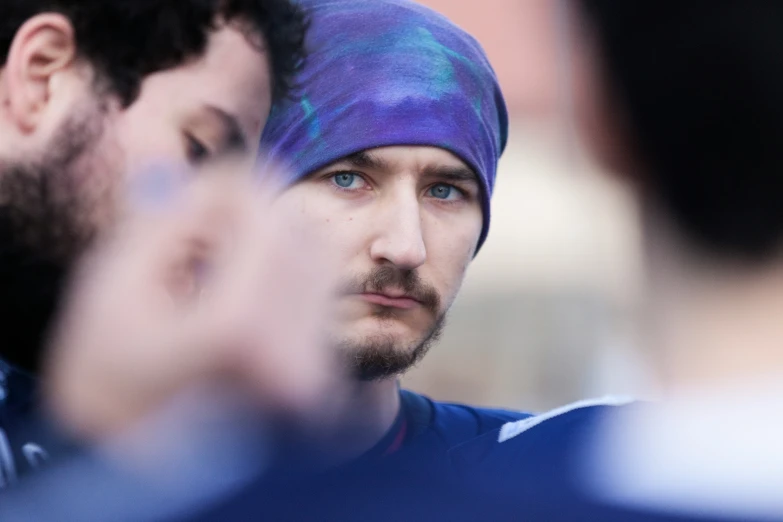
(200, 284)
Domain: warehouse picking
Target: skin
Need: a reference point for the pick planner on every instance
(408, 208)
(206, 108)
(136, 331)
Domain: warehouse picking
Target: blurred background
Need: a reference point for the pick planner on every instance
(548, 313)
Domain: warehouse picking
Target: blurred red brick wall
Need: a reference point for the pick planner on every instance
(521, 39)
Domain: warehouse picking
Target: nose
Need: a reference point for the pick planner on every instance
(400, 236)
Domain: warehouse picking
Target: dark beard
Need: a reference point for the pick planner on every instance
(41, 235)
(382, 358)
(30, 288)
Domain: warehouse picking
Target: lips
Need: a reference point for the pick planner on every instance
(401, 302)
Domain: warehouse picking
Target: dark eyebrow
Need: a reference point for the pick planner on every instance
(454, 174)
(233, 137)
(365, 160)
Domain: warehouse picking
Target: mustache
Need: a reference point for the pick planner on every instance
(388, 277)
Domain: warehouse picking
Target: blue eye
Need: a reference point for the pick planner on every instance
(344, 179)
(442, 191)
(348, 180)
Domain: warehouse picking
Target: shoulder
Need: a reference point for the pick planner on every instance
(455, 423)
(562, 417)
(537, 440)
(484, 419)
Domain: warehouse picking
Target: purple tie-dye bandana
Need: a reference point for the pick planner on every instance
(389, 72)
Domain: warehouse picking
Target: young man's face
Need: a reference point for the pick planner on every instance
(406, 221)
(68, 150)
(64, 132)
(204, 109)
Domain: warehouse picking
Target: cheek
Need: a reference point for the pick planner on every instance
(456, 235)
(149, 134)
(99, 178)
(450, 250)
(129, 143)
(310, 210)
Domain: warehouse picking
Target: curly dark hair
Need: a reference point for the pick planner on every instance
(126, 40)
(701, 84)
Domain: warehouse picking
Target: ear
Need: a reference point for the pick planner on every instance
(42, 48)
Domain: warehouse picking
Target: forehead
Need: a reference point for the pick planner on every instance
(233, 76)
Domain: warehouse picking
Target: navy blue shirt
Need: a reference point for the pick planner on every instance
(527, 469)
(438, 462)
(412, 458)
(20, 454)
(540, 469)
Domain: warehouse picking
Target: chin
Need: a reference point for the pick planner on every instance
(381, 355)
(386, 325)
